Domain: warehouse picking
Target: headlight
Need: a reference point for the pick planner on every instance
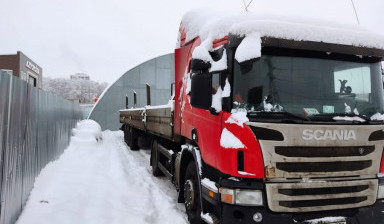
(249, 197)
(380, 192)
(242, 197)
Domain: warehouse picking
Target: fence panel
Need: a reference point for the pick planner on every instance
(35, 129)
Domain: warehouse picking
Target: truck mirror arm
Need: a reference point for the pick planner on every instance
(213, 111)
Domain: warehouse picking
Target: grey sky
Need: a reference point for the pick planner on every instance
(106, 38)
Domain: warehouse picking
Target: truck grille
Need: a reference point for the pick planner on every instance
(310, 152)
(300, 161)
(319, 196)
(324, 166)
(316, 174)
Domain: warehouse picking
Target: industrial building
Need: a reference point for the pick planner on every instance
(79, 76)
(22, 67)
(158, 73)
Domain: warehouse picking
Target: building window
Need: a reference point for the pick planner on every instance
(32, 79)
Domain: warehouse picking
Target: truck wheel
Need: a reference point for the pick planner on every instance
(192, 194)
(155, 160)
(133, 139)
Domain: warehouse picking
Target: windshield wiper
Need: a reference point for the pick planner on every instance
(281, 116)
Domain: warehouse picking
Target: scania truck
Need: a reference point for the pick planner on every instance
(271, 121)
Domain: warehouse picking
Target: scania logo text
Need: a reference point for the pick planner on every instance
(327, 134)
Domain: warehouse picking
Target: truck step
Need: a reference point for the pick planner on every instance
(209, 218)
(165, 171)
(167, 153)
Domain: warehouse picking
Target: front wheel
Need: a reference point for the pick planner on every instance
(192, 194)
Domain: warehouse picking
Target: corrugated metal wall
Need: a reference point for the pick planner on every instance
(35, 129)
(159, 72)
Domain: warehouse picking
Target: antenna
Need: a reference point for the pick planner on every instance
(354, 9)
(247, 5)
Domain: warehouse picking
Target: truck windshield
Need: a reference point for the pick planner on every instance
(308, 87)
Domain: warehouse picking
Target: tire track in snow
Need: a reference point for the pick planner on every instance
(102, 184)
(157, 186)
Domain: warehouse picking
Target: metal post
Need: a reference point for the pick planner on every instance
(148, 94)
(126, 101)
(134, 99)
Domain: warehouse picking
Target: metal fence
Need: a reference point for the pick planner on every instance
(35, 128)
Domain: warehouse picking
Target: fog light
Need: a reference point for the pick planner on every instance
(257, 217)
(380, 192)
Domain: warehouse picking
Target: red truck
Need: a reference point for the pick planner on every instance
(271, 122)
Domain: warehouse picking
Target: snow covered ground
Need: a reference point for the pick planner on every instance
(101, 182)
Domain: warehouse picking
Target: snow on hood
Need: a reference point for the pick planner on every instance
(211, 24)
(345, 118)
(377, 117)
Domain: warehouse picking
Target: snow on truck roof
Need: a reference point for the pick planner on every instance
(210, 25)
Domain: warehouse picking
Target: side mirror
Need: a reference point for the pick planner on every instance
(201, 90)
(199, 65)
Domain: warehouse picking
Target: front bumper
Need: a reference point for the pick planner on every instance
(232, 214)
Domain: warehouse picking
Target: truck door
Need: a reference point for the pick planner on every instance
(207, 114)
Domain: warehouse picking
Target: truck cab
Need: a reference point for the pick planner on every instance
(272, 121)
(289, 130)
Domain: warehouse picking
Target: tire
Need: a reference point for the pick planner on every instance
(155, 160)
(127, 135)
(133, 139)
(192, 194)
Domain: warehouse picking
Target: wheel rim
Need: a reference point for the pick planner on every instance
(189, 195)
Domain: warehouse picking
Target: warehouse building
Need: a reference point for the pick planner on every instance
(157, 72)
(22, 67)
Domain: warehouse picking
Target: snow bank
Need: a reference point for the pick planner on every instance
(104, 183)
(86, 132)
(210, 25)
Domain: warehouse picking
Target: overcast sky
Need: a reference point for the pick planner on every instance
(107, 38)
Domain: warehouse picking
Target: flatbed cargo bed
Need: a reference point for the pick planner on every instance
(157, 120)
